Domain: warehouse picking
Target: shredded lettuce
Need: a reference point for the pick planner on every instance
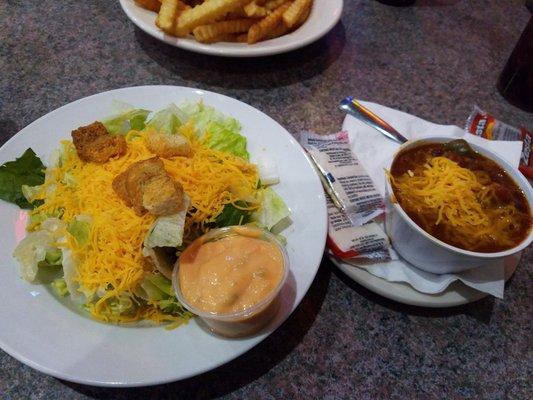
(121, 305)
(38, 218)
(167, 231)
(127, 118)
(162, 283)
(168, 120)
(39, 248)
(60, 287)
(52, 258)
(200, 115)
(27, 170)
(273, 210)
(29, 192)
(68, 179)
(223, 132)
(225, 137)
(151, 292)
(158, 291)
(60, 155)
(70, 271)
(80, 228)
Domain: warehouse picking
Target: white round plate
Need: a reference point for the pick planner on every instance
(455, 295)
(324, 15)
(44, 334)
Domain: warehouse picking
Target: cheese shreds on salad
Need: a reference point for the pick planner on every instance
(115, 207)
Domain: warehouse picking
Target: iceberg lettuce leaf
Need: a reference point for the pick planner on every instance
(128, 118)
(225, 137)
(273, 210)
(158, 290)
(167, 231)
(80, 228)
(167, 121)
(223, 132)
(39, 248)
(60, 287)
(53, 257)
(70, 270)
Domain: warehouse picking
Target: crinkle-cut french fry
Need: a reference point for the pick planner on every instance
(206, 33)
(168, 12)
(182, 7)
(254, 11)
(264, 27)
(194, 3)
(273, 4)
(242, 38)
(282, 29)
(304, 16)
(152, 5)
(260, 2)
(235, 14)
(206, 13)
(295, 12)
(228, 37)
(279, 30)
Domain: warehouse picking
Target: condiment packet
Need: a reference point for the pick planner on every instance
(349, 242)
(350, 187)
(352, 199)
(484, 125)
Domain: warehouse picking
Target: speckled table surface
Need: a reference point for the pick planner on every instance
(435, 59)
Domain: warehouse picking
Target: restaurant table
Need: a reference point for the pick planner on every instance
(435, 59)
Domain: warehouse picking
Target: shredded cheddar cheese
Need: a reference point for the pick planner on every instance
(110, 265)
(454, 198)
(451, 189)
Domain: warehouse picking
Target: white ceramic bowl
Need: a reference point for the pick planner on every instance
(324, 16)
(433, 255)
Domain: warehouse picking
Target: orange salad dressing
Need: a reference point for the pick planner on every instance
(231, 274)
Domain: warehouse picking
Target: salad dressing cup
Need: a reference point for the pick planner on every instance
(251, 319)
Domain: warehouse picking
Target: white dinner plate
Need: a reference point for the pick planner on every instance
(455, 295)
(42, 333)
(324, 15)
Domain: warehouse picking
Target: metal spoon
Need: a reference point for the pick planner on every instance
(354, 108)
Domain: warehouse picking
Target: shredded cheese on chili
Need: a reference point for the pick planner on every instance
(458, 199)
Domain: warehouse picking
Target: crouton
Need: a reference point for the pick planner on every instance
(86, 134)
(137, 174)
(146, 186)
(167, 146)
(119, 186)
(162, 195)
(94, 144)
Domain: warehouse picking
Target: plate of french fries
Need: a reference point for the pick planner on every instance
(235, 28)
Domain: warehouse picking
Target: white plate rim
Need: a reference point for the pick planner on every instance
(456, 294)
(257, 339)
(274, 46)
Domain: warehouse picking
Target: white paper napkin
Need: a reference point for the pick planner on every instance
(375, 151)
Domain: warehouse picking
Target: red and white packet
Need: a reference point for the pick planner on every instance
(481, 124)
(348, 242)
